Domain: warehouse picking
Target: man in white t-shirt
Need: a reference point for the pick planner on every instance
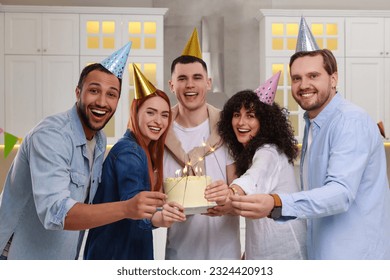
(193, 135)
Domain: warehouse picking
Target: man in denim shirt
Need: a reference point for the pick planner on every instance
(44, 206)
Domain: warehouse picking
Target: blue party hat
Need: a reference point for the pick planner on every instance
(116, 62)
(306, 41)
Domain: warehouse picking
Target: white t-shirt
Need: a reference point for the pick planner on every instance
(202, 237)
(264, 238)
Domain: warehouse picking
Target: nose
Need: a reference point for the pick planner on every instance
(101, 100)
(190, 83)
(157, 119)
(304, 83)
(240, 120)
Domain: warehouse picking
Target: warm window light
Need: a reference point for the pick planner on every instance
(134, 27)
(292, 29)
(150, 27)
(93, 27)
(277, 29)
(150, 70)
(108, 27)
(331, 29)
(317, 29)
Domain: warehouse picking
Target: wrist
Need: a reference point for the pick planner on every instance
(276, 211)
(233, 190)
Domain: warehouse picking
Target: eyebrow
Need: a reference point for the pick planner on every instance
(99, 85)
(155, 110)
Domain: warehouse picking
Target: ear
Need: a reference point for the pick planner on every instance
(334, 79)
(209, 83)
(170, 83)
(78, 93)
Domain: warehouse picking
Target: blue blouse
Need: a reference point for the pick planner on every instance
(125, 174)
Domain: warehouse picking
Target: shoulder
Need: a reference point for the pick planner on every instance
(127, 145)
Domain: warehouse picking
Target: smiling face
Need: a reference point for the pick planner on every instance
(245, 125)
(312, 87)
(97, 101)
(190, 84)
(153, 118)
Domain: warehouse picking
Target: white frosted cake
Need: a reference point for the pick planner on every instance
(189, 192)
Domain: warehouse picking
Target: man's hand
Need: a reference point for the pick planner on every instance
(144, 205)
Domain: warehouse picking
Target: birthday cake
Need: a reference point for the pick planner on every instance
(189, 192)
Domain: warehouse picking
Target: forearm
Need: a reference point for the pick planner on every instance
(85, 216)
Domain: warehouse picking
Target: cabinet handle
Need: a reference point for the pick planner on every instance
(387, 53)
(38, 50)
(381, 53)
(44, 50)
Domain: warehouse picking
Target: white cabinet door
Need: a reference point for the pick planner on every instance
(37, 86)
(59, 80)
(60, 34)
(23, 33)
(23, 93)
(364, 37)
(32, 33)
(365, 85)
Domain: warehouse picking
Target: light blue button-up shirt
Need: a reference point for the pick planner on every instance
(50, 173)
(348, 199)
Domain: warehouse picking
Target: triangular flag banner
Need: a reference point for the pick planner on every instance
(9, 141)
(1, 130)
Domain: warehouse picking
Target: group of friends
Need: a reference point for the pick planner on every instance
(61, 184)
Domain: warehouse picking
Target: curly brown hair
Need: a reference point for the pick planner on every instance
(275, 128)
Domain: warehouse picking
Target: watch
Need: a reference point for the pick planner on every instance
(276, 212)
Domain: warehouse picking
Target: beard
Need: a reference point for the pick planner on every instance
(81, 109)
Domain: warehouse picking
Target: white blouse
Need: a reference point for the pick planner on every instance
(264, 238)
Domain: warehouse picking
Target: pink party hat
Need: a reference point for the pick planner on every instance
(305, 41)
(116, 62)
(266, 92)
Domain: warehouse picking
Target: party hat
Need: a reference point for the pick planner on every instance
(142, 86)
(193, 47)
(306, 41)
(266, 92)
(116, 62)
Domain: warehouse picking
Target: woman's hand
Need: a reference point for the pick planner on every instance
(217, 192)
(170, 213)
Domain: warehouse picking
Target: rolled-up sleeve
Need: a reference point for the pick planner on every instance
(49, 158)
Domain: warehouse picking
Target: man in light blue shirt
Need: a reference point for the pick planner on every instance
(347, 199)
(56, 172)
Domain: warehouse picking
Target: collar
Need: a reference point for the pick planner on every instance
(327, 112)
(174, 145)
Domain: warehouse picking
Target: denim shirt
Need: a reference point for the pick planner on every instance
(49, 174)
(348, 199)
(125, 174)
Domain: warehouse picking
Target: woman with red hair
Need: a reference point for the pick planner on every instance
(133, 165)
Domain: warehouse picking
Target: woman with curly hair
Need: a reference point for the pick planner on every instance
(261, 140)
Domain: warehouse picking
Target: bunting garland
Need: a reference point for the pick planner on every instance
(10, 141)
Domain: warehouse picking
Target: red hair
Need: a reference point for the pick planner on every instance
(155, 150)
